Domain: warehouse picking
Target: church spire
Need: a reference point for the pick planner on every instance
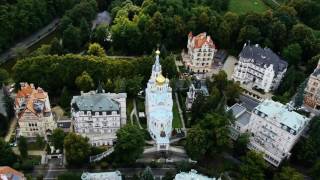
(157, 66)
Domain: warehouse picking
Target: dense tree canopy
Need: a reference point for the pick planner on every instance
(54, 72)
(129, 139)
(84, 82)
(57, 138)
(77, 149)
(253, 166)
(288, 173)
(7, 157)
(23, 146)
(19, 19)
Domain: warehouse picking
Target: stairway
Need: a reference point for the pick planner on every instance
(99, 157)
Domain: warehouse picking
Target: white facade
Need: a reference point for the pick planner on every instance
(33, 111)
(158, 106)
(102, 176)
(98, 116)
(242, 119)
(259, 67)
(192, 175)
(274, 130)
(196, 87)
(201, 51)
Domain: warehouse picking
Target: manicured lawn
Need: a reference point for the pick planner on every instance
(244, 6)
(34, 146)
(176, 122)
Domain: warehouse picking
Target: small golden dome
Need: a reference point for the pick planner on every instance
(160, 79)
(158, 52)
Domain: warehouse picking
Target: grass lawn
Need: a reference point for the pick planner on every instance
(244, 6)
(34, 146)
(176, 122)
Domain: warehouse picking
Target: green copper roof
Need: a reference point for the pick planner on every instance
(95, 102)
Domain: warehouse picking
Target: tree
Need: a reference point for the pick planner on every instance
(196, 143)
(129, 139)
(23, 146)
(147, 174)
(85, 30)
(77, 149)
(288, 173)
(133, 85)
(253, 166)
(240, 145)
(56, 47)
(7, 156)
(40, 141)
(220, 80)
(292, 53)
(71, 39)
(216, 127)
(84, 82)
(249, 32)
(316, 170)
(96, 50)
(65, 98)
(3, 125)
(57, 138)
(101, 33)
(169, 66)
(9, 105)
(4, 76)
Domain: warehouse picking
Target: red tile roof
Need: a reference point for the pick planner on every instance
(9, 171)
(201, 39)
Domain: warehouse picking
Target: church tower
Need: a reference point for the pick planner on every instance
(159, 106)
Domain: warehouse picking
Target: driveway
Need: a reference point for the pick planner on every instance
(29, 41)
(229, 65)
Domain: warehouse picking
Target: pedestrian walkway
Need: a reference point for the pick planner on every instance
(136, 113)
(180, 112)
(99, 157)
(29, 41)
(11, 130)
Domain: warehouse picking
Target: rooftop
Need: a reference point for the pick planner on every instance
(96, 102)
(283, 114)
(192, 175)
(201, 39)
(7, 172)
(240, 113)
(263, 56)
(116, 175)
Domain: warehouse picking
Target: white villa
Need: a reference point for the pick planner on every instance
(159, 106)
(259, 68)
(33, 111)
(242, 117)
(196, 87)
(274, 128)
(116, 175)
(192, 175)
(201, 50)
(98, 115)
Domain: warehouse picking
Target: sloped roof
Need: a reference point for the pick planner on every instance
(263, 56)
(201, 39)
(9, 172)
(95, 102)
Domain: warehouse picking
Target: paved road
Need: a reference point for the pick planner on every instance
(13, 124)
(2, 103)
(29, 41)
(136, 113)
(180, 111)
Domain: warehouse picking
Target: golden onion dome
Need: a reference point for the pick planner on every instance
(158, 52)
(160, 79)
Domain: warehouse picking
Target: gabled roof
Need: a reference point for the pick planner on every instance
(9, 173)
(201, 40)
(263, 56)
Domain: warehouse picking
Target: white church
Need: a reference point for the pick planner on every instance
(159, 107)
